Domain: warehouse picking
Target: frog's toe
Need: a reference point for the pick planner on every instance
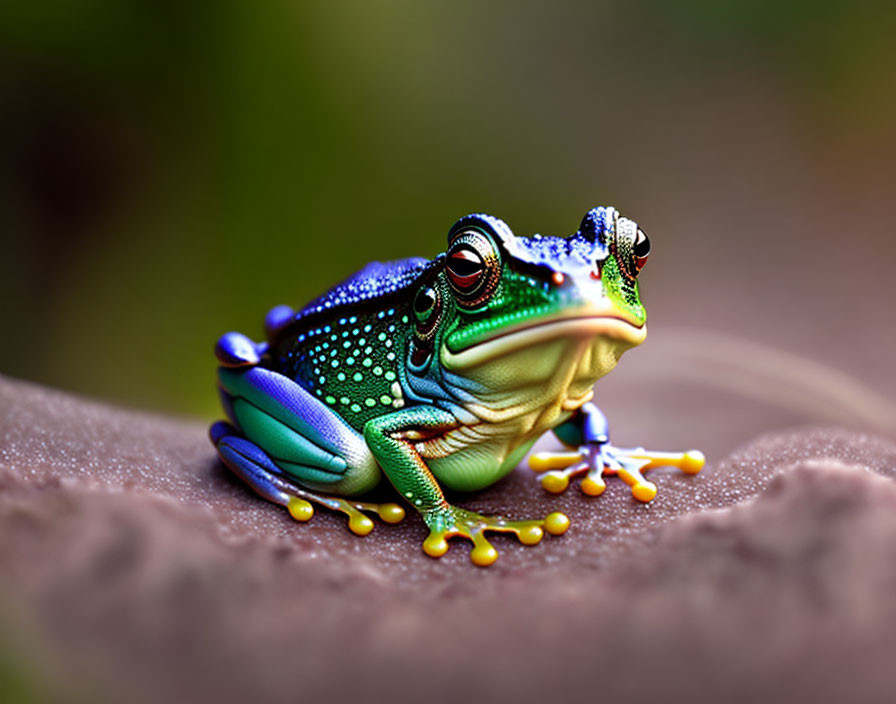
(436, 543)
(547, 461)
(593, 484)
(358, 523)
(483, 553)
(452, 522)
(556, 523)
(630, 465)
(530, 535)
(642, 489)
(558, 468)
(390, 513)
(692, 462)
(300, 509)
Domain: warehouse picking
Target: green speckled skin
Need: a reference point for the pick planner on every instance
(352, 363)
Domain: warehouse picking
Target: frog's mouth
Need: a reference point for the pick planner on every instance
(584, 323)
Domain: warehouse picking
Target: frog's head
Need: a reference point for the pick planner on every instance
(496, 293)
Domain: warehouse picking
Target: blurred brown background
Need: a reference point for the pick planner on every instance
(171, 170)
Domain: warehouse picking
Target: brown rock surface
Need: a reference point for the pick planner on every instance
(134, 568)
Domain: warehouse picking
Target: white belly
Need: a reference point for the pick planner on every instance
(521, 393)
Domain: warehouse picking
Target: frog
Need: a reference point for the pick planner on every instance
(441, 374)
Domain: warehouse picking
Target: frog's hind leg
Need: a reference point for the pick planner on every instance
(251, 464)
(284, 442)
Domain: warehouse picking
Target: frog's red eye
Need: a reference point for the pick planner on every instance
(465, 268)
(630, 246)
(472, 267)
(641, 249)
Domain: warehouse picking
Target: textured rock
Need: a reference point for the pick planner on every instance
(133, 567)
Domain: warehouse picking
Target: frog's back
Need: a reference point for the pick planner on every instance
(376, 281)
(345, 347)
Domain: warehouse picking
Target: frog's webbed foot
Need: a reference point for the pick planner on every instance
(251, 464)
(597, 457)
(595, 460)
(449, 521)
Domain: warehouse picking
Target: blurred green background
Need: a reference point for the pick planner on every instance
(170, 170)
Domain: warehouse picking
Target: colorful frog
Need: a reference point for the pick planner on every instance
(444, 373)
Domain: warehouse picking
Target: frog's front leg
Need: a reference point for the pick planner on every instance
(596, 457)
(394, 440)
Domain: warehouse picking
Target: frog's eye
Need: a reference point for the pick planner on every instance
(424, 304)
(641, 249)
(465, 267)
(473, 268)
(631, 246)
(427, 310)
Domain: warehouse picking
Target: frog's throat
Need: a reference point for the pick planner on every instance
(581, 324)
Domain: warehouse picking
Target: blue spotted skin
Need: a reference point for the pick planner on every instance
(375, 281)
(394, 371)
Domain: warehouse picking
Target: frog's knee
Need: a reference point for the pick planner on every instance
(234, 349)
